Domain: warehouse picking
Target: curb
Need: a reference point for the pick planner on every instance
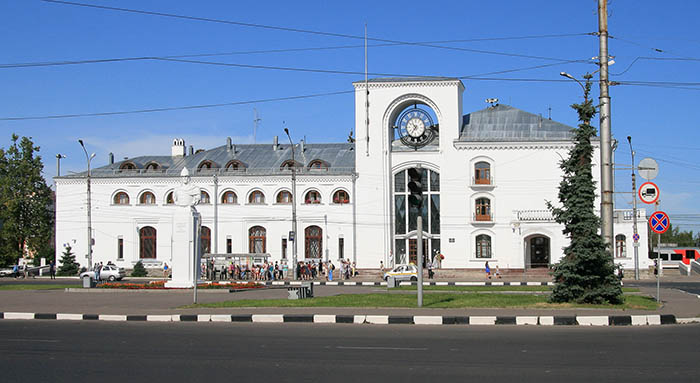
(613, 320)
(360, 283)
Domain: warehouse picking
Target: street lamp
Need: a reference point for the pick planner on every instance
(89, 208)
(294, 207)
(58, 164)
(585, 94)
(634, 212)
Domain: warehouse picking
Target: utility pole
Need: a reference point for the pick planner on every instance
(294, 208)
(634, 212)
(606, 204)
(216, 214)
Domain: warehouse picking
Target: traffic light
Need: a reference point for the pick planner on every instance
(415, 188)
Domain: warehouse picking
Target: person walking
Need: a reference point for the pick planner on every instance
(488, 270)
(430, 270)
(52, 269)
(165, 269)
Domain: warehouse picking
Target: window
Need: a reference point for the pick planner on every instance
(206, 240)
(312, 197)
(152, 166)
(284, 197)
(314, 241)
(483, 246)
(341, 248)
(289, 163)
(256, 198)
(482, 173)
(234, 165)
(147, 198)
(169, 199)
(229, 245)
(620, 246)
(406, 215)
(483, 209)
(256, 239)
(147, 242)
(284, 248)
(128, 166)
(204, 198)
(341, 197)
(318, 165)
(205, 165)
(229, 197)
(120, 248)
(121, 198)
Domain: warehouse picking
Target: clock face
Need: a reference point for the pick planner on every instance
(415, 127)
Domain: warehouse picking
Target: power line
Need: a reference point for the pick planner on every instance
(653, 58)
(298, 30)
(59, 116)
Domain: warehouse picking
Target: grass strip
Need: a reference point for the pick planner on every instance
(28, 286)
(434, 300)
(492, 288)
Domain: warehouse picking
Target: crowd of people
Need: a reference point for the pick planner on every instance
(268, 271)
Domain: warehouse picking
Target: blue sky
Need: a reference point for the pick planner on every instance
(663, 121)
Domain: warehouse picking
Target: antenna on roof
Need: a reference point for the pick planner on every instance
(492, 101)
(549, 109)
(256, 120)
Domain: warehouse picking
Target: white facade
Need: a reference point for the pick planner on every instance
(523, 174)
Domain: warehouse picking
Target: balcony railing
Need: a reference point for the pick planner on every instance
(483, 218)
(534, 215)
(488, 181)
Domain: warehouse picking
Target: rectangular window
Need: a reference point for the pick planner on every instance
(435, 213)
(400, 251)
(229, 245)
(120, 248)
(400, 181)
(284, 248)
(341, 248)
(400, 212)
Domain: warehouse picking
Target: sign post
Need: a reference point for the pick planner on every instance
(659, 223)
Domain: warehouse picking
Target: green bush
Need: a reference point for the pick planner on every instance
(68, 265)
(139, 270)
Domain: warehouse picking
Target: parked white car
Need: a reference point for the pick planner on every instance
(108, 273)
(403, 273)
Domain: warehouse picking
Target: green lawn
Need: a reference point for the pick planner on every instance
(29, 286)
(492, 288)
(433, 300)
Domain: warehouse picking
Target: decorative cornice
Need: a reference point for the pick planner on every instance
(406, 84)
(513, 145)
(223, 181)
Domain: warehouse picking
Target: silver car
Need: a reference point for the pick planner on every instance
(403, 273)
(108, 273)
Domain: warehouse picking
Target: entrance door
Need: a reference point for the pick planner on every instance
(413, 250)
(539, 252)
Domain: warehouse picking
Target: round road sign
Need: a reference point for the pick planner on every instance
(635, 237)
(659, 222)
(648, 192)
(648, 168)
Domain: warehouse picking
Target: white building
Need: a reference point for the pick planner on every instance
(486, 177)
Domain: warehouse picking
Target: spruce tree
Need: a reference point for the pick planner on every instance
(586, 272)
(68, 265)
(139, 270)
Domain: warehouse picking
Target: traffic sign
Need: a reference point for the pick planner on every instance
(648, 168)
(635, 237)
(659, 222)
(648, 193)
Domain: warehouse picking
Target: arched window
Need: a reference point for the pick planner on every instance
(229, 197)
(147, 242)
(318, 165)
(341, 197)
(204, 198)
(206, 240)
(206, 165)
(620, 246)
(483, 246)
(289, 163)
(147, 198)
(152, 166)
(314, 242)
(234, 165)
(312, 197)
(256, 198)
(169, 199)
(482, 173)
(121, 198)
(256, 239)
(127, 166)
(483, 210)
(284, 197)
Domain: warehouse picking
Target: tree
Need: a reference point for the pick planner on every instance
(26, 217)
(68, 265)
(680, 238)
(139, 270)
(586, 272)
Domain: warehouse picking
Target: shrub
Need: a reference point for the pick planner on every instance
(139, 270)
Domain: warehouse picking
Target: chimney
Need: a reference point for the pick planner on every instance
(275, 143)
(178, 148)
(191, 150)
(229, 145)
(111, 158)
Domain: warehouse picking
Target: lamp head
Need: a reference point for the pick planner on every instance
(629, 139)
(286, 131)
(81, 142)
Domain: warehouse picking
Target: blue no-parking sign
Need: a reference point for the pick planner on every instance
(659, 222)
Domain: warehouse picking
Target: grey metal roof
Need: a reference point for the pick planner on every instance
(257, 159)
(408, 79)
(506, 123)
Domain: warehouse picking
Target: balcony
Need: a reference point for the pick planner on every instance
(482, 183)
(482, 219)
(534, 216)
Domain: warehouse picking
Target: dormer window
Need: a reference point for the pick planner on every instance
(289, 163)
(152, 166)
(127, 166)
(234, 165)
(206, 165)
(318, 165)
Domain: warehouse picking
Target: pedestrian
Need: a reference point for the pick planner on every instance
(52, 269)
(165, 269)
(498, 272)
(331, 267)
(430, 270)
(488, 270)
(381, 267)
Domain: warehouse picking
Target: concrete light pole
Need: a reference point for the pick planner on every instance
(606, 201)
(294, 207)
(89, 206)
(59, 156)
(634, 212)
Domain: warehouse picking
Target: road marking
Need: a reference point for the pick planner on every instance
(381, 348)
(34, 340)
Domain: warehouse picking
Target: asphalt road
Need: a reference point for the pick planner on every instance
(40, 351)
(689, 287)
